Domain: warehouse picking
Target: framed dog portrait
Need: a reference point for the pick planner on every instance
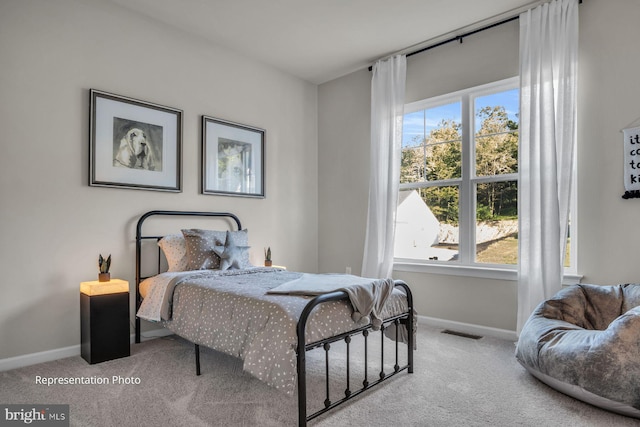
(232, 158)
(134, 144)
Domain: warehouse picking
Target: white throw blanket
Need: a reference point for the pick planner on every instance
(367, 296)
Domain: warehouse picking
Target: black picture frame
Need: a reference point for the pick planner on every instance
(233, 159)
(134, 144)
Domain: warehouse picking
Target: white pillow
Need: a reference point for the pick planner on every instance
(175, 251)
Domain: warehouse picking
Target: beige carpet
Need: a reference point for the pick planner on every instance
(457, 382)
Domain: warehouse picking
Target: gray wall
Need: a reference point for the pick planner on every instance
(608, 94)
(53, 225)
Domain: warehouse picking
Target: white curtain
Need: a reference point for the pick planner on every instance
(548, 73)
(387, 110)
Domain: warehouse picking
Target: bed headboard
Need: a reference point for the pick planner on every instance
(140, 237)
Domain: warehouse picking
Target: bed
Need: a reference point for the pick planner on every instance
(204, 289)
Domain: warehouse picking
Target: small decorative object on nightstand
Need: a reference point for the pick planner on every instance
(103, 265)
(267, 257)
(104, 320)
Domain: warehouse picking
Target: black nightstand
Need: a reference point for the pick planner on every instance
(104, 320)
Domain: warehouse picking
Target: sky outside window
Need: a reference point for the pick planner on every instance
(418, 124)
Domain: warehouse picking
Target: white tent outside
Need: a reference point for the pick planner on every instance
(417, 230)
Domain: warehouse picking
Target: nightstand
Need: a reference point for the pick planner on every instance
(104, 320)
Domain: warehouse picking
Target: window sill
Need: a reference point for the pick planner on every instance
(484, 272)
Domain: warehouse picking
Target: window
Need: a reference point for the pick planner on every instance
(458, 201)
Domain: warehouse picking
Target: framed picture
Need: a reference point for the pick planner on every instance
(232, 158)
(134, 144)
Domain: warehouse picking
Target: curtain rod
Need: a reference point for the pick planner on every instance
(462, 36)
(459, 38)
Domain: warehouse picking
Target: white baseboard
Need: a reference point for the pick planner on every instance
(60, 353)
(41, 357)
(153, 334)
(468, 328)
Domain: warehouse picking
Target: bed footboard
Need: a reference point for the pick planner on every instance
(405, 319)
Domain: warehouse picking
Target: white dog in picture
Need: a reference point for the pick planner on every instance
(135, 151)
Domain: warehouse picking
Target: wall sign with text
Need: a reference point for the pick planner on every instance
(631, 163)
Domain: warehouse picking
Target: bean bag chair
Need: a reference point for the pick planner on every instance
(585, 342)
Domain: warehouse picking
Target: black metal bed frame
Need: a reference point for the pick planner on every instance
(405, 319)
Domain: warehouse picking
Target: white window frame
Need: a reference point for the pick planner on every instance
(466, 265)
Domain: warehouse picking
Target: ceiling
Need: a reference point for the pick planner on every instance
(320, 40)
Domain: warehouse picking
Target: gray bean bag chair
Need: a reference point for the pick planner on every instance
(585, 342)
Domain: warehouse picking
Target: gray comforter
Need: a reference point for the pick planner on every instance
(232, 312)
